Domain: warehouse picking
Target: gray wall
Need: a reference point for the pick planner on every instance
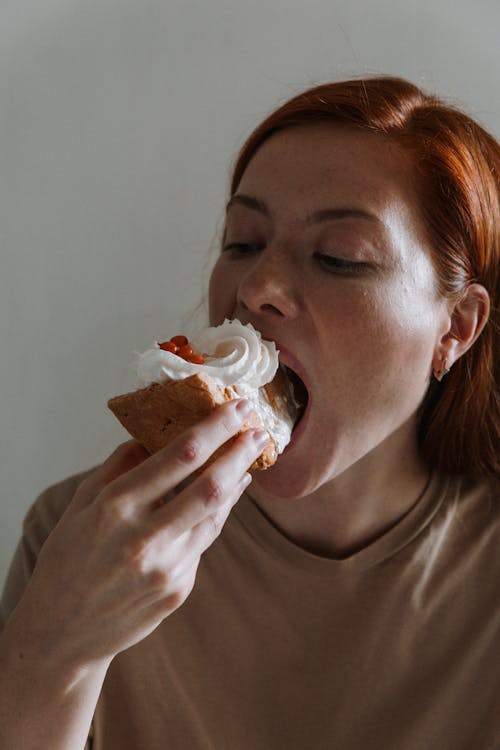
(118, 123)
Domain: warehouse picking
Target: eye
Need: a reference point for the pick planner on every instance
(340, 265)
(242, 248)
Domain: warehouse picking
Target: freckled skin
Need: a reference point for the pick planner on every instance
(366, 338)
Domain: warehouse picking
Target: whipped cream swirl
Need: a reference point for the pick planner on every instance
(235, 355)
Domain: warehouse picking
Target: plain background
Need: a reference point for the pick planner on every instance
(119, 121)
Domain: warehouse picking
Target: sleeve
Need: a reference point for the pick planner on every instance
(41, 518)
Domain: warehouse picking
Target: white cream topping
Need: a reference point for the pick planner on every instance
(279, 426)
(235, 354)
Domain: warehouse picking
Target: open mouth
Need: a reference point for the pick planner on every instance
(299, 393)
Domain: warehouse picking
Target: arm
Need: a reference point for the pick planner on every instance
(131, 559)
(43, 702)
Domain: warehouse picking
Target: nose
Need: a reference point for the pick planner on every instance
(271, 286)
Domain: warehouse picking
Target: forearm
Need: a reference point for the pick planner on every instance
(43, 701)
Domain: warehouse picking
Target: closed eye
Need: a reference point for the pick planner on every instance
(332, 263)
(340, 265)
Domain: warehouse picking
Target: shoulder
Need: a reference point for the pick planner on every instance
(478, 493)
(475, 504)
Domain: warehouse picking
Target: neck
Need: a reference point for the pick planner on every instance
(355, 508)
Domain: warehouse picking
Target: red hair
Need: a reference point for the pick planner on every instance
(457, 165)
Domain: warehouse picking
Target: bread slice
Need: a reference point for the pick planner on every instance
(155, 415)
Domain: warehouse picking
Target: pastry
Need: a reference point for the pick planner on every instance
(180, 382)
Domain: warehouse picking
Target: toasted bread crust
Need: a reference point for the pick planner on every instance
(157, 414)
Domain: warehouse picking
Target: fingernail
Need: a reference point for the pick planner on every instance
(261, 438)
(244, 481)
(243, 408)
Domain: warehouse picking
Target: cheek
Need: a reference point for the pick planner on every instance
(410, 318)
(380, 336)
(221, 295)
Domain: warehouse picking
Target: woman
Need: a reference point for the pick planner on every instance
(351, 598)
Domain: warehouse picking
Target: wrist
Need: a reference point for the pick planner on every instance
(27, 644)
(46, 699)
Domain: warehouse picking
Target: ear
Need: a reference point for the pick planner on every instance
(468, 318)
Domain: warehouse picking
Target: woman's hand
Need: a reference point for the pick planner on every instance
(121, 559)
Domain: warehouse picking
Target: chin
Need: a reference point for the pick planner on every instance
(287, 480)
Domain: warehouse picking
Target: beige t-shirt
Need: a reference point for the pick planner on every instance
(394, 648)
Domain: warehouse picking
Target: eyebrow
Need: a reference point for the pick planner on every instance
(318, 217)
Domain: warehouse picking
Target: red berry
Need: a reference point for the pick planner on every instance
(185, 351)
(169, 346)
(179, 340)
(196, 359)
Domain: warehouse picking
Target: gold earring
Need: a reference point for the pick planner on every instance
(439, 374)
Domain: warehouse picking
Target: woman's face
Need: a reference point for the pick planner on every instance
(325, 253)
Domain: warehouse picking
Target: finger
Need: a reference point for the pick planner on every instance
(172, 599)
(185, 550)
(165, 470)
(127, 456)
(124, 458)
(206, 532)
(213, 488)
